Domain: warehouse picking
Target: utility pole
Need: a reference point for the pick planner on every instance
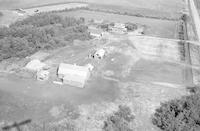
(16, 125)
(195, 16)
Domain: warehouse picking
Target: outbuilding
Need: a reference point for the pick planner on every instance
(99, 54)
(73, 75)
(43, 75)
(95, 33)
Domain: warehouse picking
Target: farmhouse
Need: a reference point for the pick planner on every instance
(73, 75)
(21, 11)
(119, 25)
(98, 21)
(95, 32)
(119, 28)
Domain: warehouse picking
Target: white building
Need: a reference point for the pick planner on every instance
(99, 54)
(119, 25)
(119, 28)
(42, 75)
(98, 21)
(73, 75)
(97, 33)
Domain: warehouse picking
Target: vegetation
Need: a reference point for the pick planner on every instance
(181, 114)
(41, 31)
(131, 26)
(120, 120)
(1, 14)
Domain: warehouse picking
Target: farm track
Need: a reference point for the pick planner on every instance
(54, 4)
(188, 71)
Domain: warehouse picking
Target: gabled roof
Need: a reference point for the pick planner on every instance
(72, 70)
(95, 31)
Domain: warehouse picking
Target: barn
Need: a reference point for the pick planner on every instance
(73, 75)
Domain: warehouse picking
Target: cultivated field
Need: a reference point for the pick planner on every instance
(10, 16)
(138, 10)
(160, 5)
(31, 11)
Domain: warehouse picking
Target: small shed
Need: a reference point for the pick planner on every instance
(73, 75)
(99, 54)
(42, 75)
(98, 21)
(119, 25)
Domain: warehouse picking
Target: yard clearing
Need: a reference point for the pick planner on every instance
(123, 77)
(155, 27)
(137, 71)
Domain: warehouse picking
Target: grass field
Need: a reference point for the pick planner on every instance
(161, 5)
(140, 11)
(161, 28)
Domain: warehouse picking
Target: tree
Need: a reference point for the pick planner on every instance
(41, 31)
(120, 120)
(180, 114)
(131, 26)
(1, 14)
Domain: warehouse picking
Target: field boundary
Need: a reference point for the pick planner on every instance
(131, 14)
(52, 4)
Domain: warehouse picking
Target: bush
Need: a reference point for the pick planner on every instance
(180, 114)
(131, 26)
(120, 120)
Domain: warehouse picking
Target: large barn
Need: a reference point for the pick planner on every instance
(73, 75)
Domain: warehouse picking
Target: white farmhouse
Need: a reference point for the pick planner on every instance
(97, 33)
(73, 75)
(119, 28)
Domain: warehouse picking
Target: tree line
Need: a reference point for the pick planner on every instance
(41, 31)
